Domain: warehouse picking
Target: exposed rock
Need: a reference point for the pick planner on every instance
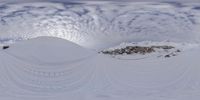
(167, 56)
(5, 47)
(130, 50)
(178, 50)
(140, 50)
(163, 47)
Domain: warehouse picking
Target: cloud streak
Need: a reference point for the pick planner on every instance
(182, 1)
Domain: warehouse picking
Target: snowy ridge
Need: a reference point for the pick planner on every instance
(148, 50)
(99, 25)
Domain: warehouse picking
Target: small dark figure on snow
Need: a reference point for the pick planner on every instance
(5, 47)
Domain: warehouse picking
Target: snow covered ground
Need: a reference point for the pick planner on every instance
(53, 51)
(56, 69)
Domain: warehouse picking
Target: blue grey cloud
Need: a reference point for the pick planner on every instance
(187, 1)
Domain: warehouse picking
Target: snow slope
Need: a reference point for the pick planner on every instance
(56, 69)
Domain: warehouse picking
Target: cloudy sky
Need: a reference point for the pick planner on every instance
(112, 0)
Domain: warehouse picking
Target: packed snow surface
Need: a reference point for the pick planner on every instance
(56, 69)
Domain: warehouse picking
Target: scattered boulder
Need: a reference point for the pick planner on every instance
(178, 50)
(5, 47)
(172, 54)
(167, 56)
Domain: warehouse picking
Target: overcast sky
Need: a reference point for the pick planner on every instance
(113, 0)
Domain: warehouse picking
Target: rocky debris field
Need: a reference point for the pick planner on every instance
(129, 50)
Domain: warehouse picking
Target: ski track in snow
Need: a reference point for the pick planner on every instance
(99, 25)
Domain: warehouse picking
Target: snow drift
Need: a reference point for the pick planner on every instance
(36, 51)
(45, 65)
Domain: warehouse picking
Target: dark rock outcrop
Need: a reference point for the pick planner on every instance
(137, 50)
(5, 47)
